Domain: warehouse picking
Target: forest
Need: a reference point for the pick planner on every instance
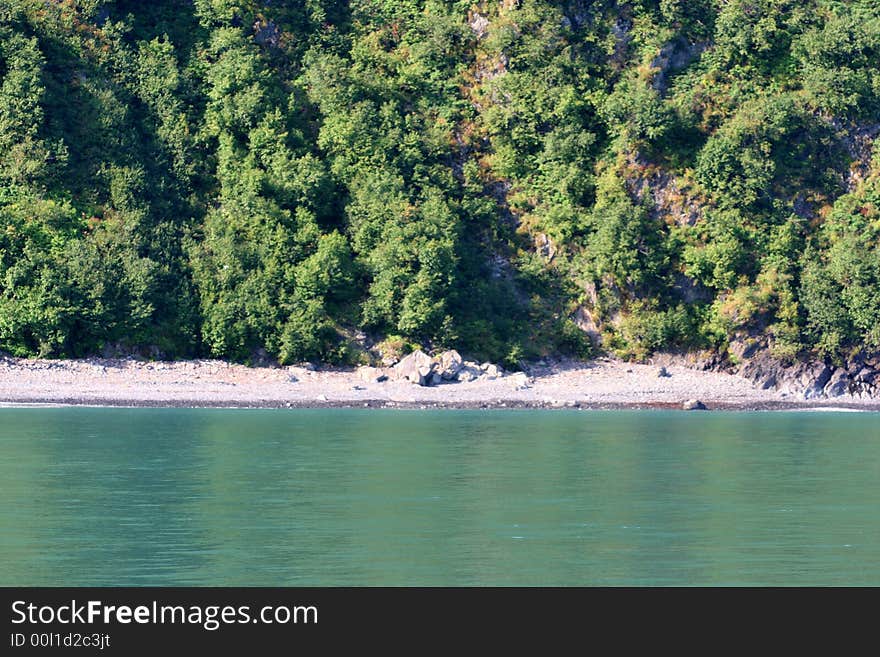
(327, 180)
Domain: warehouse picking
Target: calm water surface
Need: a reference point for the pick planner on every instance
(318, 497)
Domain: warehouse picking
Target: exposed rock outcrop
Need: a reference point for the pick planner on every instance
(753, 360)
(479, 24)
(673, 57)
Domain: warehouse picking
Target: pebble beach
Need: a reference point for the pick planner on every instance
(597, 384)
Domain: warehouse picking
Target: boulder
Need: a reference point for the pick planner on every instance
(372, 374)
(449, 363)
(693, 405)
(469, 371)
(415, 368)
(520, 381)
(663, 372)
(490, 371)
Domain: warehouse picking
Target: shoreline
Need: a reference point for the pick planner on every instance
(378, 404)
(601, 384)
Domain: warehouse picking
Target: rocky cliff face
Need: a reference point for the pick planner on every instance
(858, 376)
(814, 380)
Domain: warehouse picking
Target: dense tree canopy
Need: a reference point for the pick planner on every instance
(305, 179)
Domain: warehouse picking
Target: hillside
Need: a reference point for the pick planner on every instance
(331, 180)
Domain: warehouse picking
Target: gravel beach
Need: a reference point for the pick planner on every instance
(601, 383)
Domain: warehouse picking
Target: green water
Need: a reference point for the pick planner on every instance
(314, 497)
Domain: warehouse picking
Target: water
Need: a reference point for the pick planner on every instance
(320, 497)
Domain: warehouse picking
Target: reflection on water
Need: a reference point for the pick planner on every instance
(329, 497)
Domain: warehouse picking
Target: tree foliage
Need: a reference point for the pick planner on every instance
(303, 179)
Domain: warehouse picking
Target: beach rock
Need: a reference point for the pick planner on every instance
(520, 381)
(449, 363)
(371, 374)
(415, 368)
(490, 371)
(663, 372)
(693, 405)
(470, 371)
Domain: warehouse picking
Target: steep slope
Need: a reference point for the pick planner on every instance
(516, 179)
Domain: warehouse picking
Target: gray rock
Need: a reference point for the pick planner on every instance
(838, 384)
(693, 405)
(768, 383)
(415, 368)
(467, 374)
(449, 363)
(814, 379)
(744, 348)
(426, 375)
(866, 374)
(372, 374)
(491, 371)
(480, 25)
(267, 34)
(662, 373)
